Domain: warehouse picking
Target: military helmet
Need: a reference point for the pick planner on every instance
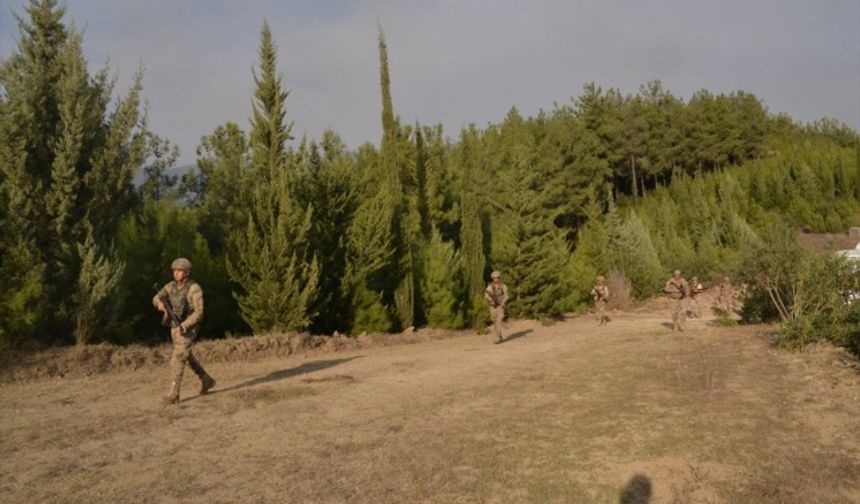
(496, 274)
(181, 264)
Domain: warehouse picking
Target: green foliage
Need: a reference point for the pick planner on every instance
(318, 237)
(633, 254)
(272, 260)
(369, 252)
(67, 164)
(97, 282)
(526, 246)
(327, 182)
(441, 289)
(148, 241)
(809, 292)
(471, 231)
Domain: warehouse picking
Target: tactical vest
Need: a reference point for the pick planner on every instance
(178, 295)
(678, 293)
(497, 293)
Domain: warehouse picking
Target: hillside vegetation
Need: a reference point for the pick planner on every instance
(307, 234)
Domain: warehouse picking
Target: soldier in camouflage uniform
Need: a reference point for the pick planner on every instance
(497, 296)
(727, 296)
(696, 288)
(677, 289)
(186, 299)
(600, 293)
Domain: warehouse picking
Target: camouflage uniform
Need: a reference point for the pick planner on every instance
(497, 296)
(726, 300)
(695, 289)
(186, 298)
(600, 293)
(677, 289)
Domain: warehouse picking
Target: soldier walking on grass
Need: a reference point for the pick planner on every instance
(677, 289)
(695, 289)
(600, 293)
(181, 301)
(497, 296)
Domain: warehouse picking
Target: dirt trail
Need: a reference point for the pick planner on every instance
(567, 413)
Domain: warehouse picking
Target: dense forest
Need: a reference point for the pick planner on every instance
(303, 234)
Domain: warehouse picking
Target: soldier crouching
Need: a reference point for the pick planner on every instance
(181, 301)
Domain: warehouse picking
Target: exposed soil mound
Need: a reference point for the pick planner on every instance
(87, 360)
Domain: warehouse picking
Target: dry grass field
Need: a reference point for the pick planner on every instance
(573, 412)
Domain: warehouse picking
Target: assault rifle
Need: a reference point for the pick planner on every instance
(495, 296)
(169, 313)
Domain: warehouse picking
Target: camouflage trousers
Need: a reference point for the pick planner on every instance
(600, 308)
(694, 309)
(678, 314)
(182, 354)
(497, 315)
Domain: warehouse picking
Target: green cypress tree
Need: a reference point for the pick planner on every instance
(471, 231)
(67, 167)
(273, 262)
(370, 252)
(857, 169)
(222, 190)
(527, 247)
(329, 185)
(441, 287)
(405, 220)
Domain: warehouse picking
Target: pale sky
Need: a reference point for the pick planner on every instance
(461, 61)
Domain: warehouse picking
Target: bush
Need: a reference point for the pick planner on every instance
(807, 291)
(620, 291)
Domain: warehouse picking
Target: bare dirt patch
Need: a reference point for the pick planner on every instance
(827, 242)
(567, 413)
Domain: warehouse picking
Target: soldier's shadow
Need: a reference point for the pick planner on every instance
(283, 374)
(518, 334)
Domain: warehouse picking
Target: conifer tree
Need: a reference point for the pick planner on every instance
(222, 190)
(273, 263)
(328, 184)
(370, 252)
(403, 214)
(471, 231)
(158, 182)
(441, 287)
(527, 247)
(633, 253)
(67, 168)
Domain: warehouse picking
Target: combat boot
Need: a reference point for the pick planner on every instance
(172, 397)
(206, 383)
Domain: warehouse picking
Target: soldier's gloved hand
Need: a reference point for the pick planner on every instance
(160, 306)
(181, 329)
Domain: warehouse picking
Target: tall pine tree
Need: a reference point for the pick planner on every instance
(67, 168)
(273, 262)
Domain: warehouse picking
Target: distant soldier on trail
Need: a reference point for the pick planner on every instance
(181, 301)
(677, 289)
(497, 296)
(600, 293)
(695, 289)
(726, 298)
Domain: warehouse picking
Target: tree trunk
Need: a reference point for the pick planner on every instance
(633, 176)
